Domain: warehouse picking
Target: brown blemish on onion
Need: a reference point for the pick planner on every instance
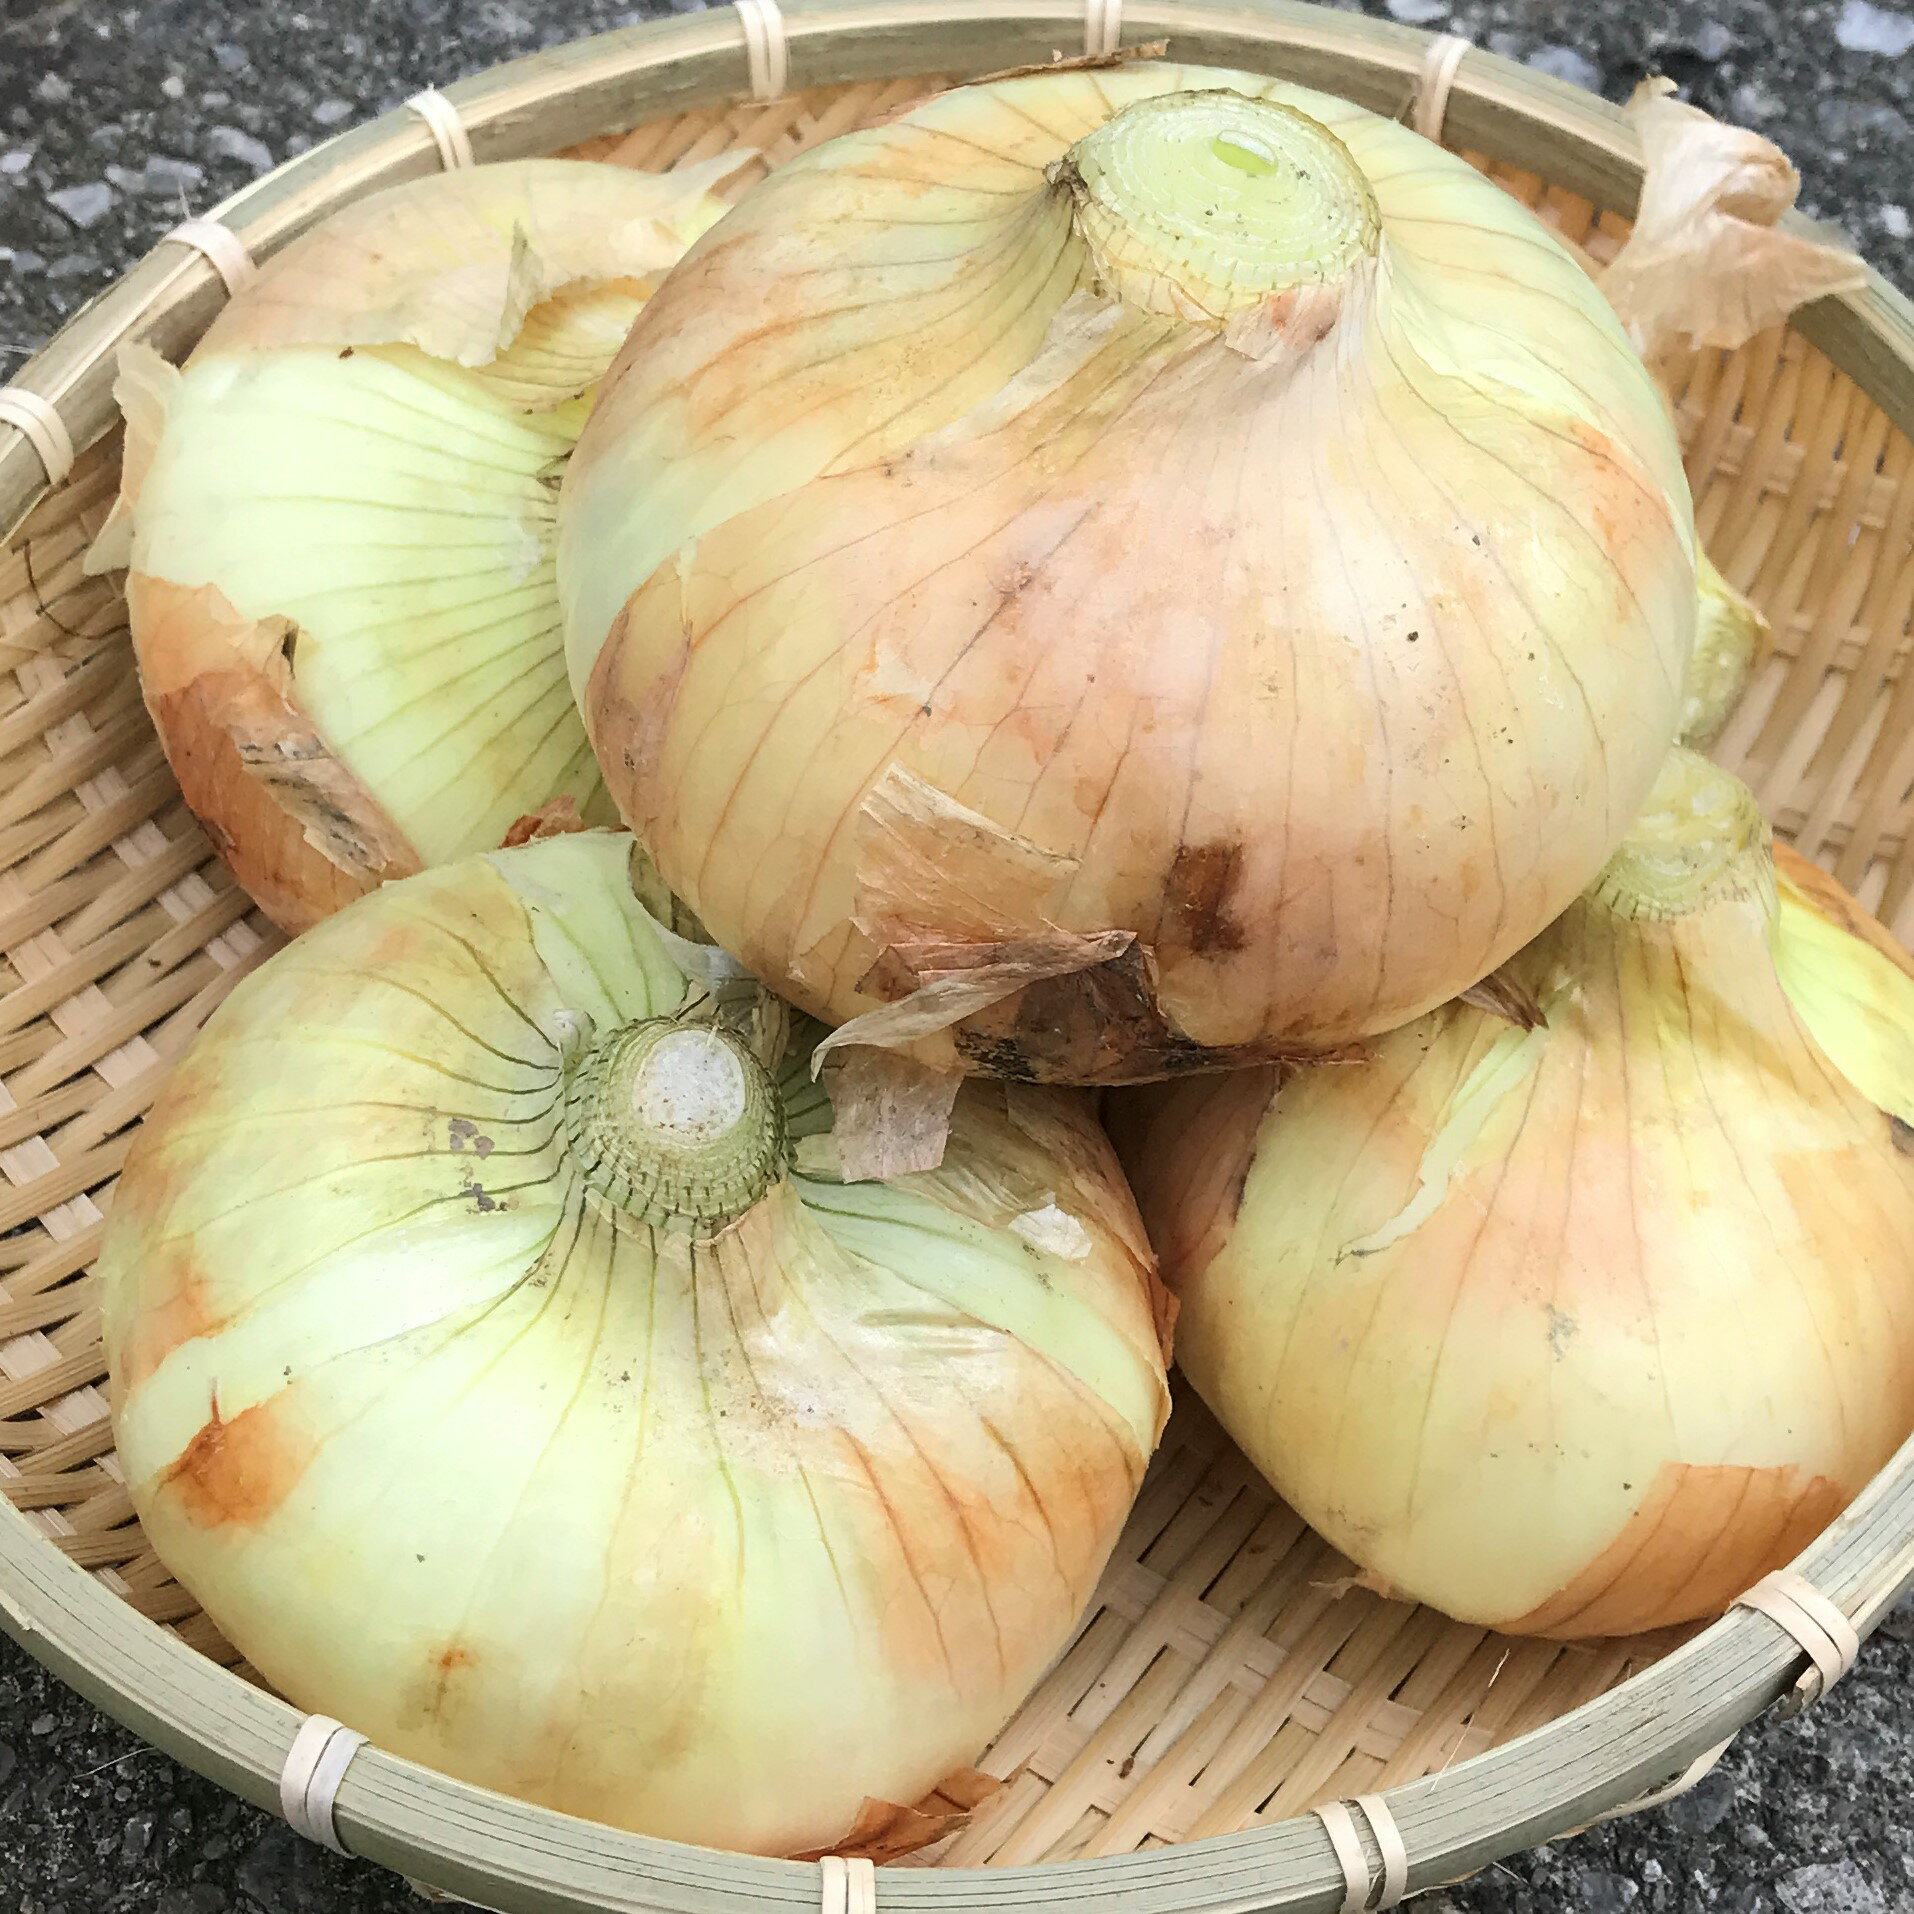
(1700, 1535)
(556, 817)
(1202, 884)
(435, 1691)
(238, 1473)
(1507, 994)
(248, 760)
(1102, 1025)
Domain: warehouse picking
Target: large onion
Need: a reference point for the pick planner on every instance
(1144, 568)
(338, 520)
(1579, 1329)
(500, 1360)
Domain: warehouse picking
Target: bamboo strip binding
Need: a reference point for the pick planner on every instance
(1102, 28)
(316, 1764)
(1228, 1676)
(767, 59)
(1440, 64)
(848, 1887)
(1362, 1889)
(448, 132)
(44, 428)
(1822, 1629)
(220, 246)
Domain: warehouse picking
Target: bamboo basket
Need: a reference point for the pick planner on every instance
(1229, 1678)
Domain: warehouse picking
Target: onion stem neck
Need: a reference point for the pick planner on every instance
(1699, 837)
(1204, 205)
(676, 1122)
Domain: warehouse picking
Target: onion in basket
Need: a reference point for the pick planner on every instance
(1579, 1329)
(1113, 572)
(338, 520)
(498, 1357)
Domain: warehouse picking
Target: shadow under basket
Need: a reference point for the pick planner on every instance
(1231, 1676)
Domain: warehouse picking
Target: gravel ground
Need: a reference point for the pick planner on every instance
(116, 120)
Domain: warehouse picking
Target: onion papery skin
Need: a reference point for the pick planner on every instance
(1573, 1331)
(338, 521)
(708, 1528)
(1318, 652)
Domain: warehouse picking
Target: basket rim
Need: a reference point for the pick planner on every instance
(466, 1839)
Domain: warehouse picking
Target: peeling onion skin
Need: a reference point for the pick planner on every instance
(1573, 1332)
(1706, 262)
(338, 521)
(1326, 676)
(712, 1532)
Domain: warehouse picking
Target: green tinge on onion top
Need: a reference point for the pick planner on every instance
(1203, 204)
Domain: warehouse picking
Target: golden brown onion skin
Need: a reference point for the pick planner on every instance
(223, 707)
(1644, 1339)
(1321, 680)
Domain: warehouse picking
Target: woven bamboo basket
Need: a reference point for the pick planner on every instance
(1229, 1677)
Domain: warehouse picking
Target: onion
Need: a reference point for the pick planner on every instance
(499, 1357)
(1117, 572)
(1575, 1330)
(338, 520)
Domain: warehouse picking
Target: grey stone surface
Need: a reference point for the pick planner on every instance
(1829, 1887)
(1865, 28)
(228, 142)
(83, 206)
(186, 100)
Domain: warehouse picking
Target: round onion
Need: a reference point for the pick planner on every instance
(1112, 573)
(499, 1357)
(338, 520)
(1577, 1329)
